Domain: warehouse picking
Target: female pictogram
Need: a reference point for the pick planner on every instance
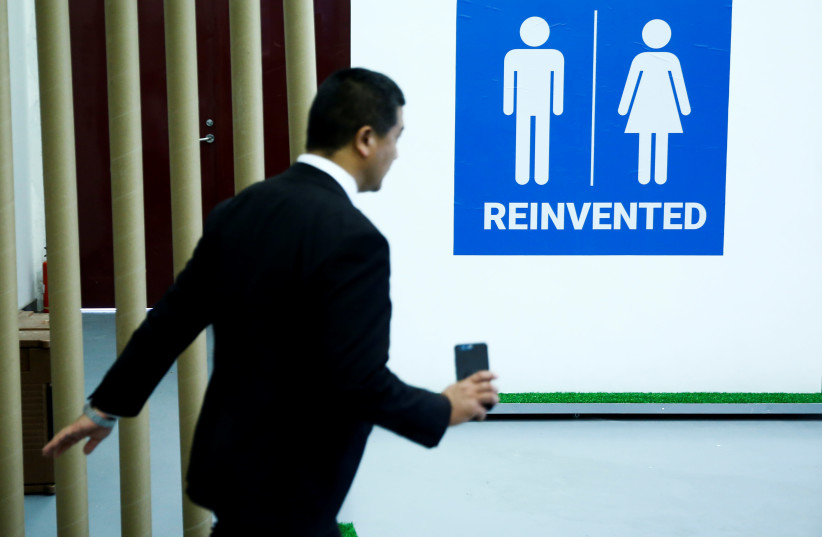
(654, 112)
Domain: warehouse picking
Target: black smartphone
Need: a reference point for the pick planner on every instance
(470, 358)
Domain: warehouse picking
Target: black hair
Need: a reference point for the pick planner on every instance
(349, 100)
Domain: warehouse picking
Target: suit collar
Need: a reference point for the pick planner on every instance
(309, 174)
(337, 172)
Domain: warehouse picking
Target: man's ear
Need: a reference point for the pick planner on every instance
(364, 141)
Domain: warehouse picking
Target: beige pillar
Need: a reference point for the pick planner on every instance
(62, 239)
(123, 68)
(247, 92)
(300, 69)
(12, 523)
(187, 219)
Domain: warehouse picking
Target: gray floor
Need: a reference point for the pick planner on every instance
(594, 477)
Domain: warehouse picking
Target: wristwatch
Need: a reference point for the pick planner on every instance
(92, 414)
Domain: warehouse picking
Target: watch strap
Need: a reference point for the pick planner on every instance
(92, 414)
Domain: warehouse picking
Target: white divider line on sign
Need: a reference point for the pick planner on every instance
(594, 98)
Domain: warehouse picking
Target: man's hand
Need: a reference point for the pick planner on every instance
(71, 434)
(469, 396)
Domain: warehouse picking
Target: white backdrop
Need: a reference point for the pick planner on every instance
(749, 320)
(29, 212)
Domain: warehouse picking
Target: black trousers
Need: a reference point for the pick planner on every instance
(229, 526)
(236, 526)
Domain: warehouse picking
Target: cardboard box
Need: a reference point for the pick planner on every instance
(38, 420)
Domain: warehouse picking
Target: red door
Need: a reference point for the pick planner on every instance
(87, 19)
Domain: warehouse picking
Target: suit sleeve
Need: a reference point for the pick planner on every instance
(354, 298)
(169, 328)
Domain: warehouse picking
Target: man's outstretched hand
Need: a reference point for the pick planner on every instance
(469, 397)
(71, 434)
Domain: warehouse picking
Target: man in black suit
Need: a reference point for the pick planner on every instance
(294, 280)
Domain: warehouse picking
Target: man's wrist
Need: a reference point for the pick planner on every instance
(103, 420)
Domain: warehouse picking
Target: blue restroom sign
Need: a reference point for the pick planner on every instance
(591, 127)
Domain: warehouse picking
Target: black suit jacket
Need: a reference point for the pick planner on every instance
(295, 281)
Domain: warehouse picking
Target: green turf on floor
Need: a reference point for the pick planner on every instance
(667, 398)
(347, 530)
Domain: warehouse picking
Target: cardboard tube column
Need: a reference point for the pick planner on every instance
(12, 522)
(247, 92)
(186, 218)
(62, 240)
(123, 68)
(300, 68)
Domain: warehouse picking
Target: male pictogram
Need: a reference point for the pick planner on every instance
(654, 109)
(539, 77)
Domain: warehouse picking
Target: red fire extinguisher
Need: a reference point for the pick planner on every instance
(45, 287)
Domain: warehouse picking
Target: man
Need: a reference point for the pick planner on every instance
(295, 281)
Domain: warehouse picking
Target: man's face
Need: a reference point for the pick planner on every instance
(385, 151)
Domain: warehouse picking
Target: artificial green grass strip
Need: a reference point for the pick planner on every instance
(347, 530)
(667, 398)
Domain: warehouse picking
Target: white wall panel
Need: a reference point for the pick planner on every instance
(744, 321)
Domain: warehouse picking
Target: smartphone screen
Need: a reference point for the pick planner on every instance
(470, 358)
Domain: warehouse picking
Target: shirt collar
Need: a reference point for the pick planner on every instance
(346, 181)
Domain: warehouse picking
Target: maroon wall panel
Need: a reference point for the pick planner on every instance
(333, 26)
(89, 84)
(156, 170)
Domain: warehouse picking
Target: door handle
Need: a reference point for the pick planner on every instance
(209, 139)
